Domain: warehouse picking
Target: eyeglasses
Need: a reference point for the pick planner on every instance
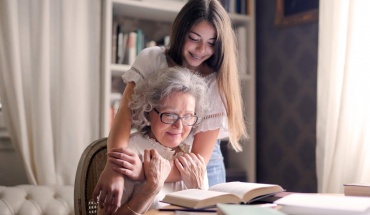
(171, 118)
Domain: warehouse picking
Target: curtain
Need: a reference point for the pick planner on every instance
(49, 83)
(343, 106)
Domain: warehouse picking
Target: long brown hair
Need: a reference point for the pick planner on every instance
(223, 61)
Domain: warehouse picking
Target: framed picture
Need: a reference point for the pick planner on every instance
(293, 12)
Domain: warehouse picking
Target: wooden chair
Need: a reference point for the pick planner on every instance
(90, 166)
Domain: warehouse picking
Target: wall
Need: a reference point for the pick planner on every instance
(286, 68)
(11, 167)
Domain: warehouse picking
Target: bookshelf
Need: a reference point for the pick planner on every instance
(154, 17)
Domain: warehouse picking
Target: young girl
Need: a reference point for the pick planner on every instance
(202, 40)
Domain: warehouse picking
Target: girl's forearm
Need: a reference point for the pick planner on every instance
(204, 143)
(121, 126)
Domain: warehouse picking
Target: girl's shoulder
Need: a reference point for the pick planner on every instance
(149, 60)
(152, 52)
(151, 57)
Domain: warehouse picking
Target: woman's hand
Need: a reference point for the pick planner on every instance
(156, 170)
(192, 169)
(108, 191)
(127, 163)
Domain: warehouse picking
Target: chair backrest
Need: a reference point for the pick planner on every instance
(90, 166)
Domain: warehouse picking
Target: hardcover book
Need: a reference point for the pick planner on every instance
(357, 189)
(229, 192)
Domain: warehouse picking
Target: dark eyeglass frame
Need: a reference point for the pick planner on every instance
(178, 117)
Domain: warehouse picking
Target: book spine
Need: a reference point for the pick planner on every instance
(131, 47)
(114, 41)
(238, 6)
(139, 40)
(120, 45)
(232, 6)
(124, 48)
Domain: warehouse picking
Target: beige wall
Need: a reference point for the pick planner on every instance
(11, 167)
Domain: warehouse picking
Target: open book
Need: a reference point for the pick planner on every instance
(323, 204)
(229, 192)
(357, 189)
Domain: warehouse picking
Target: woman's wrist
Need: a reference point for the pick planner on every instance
(132, 210)
(151, 188)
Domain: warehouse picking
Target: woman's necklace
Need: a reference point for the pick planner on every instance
(166, 152)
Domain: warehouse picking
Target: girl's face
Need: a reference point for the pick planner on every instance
(171, 135)
(199, 45)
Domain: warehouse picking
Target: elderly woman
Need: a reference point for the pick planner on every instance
(165, 108)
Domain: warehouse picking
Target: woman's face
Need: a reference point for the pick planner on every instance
(171, 135)
(199, 45)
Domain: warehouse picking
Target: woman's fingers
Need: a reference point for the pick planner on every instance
(102, 198)
(155, 166)
(179, 165)
(201, 159)
(192, 169)
(190, 160)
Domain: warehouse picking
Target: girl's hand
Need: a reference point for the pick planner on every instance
(156, 170)
(127, 163)
(192, 169)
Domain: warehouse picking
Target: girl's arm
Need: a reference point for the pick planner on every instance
(156, 170)
(204, 143)
(121, 128)
(110, 185)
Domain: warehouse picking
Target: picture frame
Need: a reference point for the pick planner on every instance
(294, 12)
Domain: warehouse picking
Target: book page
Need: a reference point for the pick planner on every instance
(196, 194)
(195, 198)
(239, 188)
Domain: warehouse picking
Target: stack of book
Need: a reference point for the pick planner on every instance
(251, 198)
